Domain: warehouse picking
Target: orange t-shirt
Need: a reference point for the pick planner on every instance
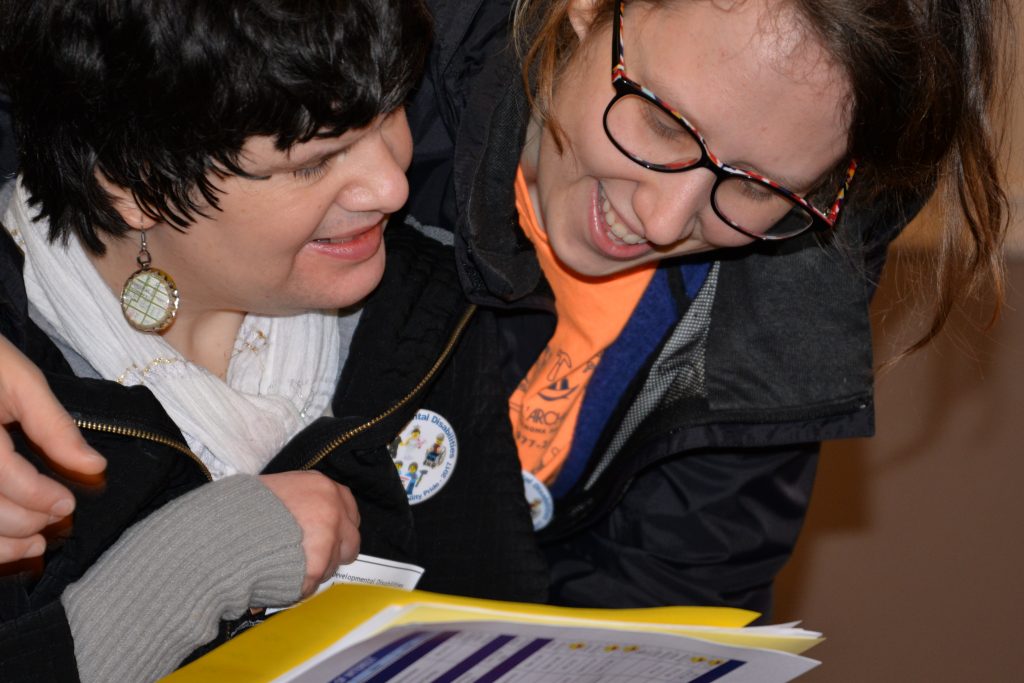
(591, 314)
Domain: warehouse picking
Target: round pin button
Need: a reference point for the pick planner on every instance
(542, 505)
(425, 454)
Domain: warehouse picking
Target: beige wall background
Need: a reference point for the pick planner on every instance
(912, 559)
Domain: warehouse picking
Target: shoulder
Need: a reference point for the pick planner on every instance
(466, 28)
(466, 34)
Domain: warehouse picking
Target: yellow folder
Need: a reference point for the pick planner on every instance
(291, 637)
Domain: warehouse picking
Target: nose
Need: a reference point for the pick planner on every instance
(671, 206)
(377, 182)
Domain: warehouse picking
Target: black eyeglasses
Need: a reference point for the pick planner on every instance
(654, 135)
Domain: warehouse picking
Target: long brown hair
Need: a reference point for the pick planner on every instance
(923, 76)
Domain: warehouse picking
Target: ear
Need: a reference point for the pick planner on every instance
(125, 204)
(581, 16)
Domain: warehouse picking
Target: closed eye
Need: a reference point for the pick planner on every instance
(660, 125)
(312, 172)
(756, 191)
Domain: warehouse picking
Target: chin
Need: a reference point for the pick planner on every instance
(352, 285)
(590, 263)
(352, 292)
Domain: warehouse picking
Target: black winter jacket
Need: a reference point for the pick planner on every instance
(699, 497)
(474, 537)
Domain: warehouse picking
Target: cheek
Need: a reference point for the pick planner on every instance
(271, 246)
(584, 127)
(587, 152)
(298, 222)
(580, 98)
(721, 236)
(402, 147)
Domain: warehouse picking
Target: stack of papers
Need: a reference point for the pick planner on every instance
(369, 634)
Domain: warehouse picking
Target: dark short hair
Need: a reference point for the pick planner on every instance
(159, 95)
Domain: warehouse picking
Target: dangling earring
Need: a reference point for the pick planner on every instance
(149, 299)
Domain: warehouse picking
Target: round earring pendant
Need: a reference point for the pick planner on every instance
(149, 300)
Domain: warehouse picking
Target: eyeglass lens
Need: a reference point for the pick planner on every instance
(652, 136)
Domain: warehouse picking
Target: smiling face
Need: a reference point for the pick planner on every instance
(307, 236)
(761, 90)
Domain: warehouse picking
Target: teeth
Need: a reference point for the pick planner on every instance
(616, 229)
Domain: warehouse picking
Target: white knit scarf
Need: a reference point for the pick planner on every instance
(280, 378)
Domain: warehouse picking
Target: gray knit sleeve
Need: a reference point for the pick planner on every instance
(162, 589)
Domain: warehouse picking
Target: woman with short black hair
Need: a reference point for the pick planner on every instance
(201, 186)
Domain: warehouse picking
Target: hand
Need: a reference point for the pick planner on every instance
(328, 516)
(29, 501)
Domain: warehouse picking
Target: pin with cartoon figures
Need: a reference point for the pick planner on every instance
(410, 478)
(542, 505)
(415, 438)
(425, 454)
(435, 454)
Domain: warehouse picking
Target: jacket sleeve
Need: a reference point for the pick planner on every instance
(162, 589)
(710, 528)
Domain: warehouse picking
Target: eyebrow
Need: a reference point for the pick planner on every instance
(797, 185)
(318, 154)
(793, 185)
(311, 158)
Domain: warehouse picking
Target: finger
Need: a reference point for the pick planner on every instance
(22, 484)
(348, 549)
(48, 425)
(334, 559)
(349, 504)
(331, 569)
(345, 552)
(331, 566)
(14, 549)
(315, 573)
(18, 522)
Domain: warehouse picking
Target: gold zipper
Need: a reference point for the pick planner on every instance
(148, 436)
(342, 438)
(322, 453)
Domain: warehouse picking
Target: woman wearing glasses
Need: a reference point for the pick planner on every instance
(673, 238)
(671, 297)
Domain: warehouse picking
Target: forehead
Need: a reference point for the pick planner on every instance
(749, 75)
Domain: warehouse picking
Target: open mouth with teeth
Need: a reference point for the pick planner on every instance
(338, 240)
(615, 229)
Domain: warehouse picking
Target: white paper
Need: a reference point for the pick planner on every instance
(508, 652)
(374, 571)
